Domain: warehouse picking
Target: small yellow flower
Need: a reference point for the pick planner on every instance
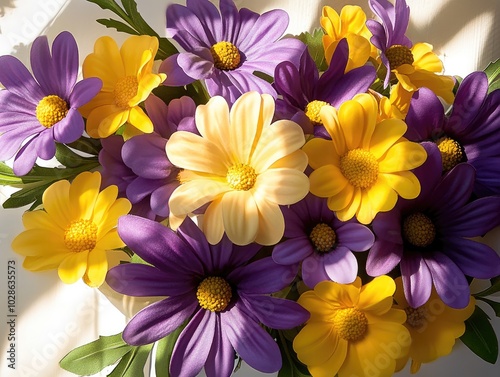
(366, 165)
(434, 327)
(74, 230)
(353, 330)
(128, 79)
(243, 166)
(350, 24)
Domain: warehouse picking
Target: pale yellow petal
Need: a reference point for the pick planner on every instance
(212, 121)
(297, 160)
(56, 203)
(404, 155)
(321, 152)
(212, 223)
(386, 133)
(240, 216)
(328, 181)
(190, 151)
(271, 222)
(277, 141)
(97, 268)
(282, 186)
(73, 267)
(83, 195)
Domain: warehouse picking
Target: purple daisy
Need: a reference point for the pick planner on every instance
(430, 237)
(304, 92)
(225, 48)
(471, 133)
(140, 167)
(323, 243)
(391, 31)
(36, 112)
(222, 296)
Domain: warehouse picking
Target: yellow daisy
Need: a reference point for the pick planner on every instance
(243, 166)
(74, 230)
(353, 330)
(433, 327)
(367, 164)
(350, 24)
(128, 79)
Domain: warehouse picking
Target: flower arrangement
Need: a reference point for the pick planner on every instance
(311, 205)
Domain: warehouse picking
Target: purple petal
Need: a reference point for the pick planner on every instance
(268, 28)
(230, 19)
(313, 270)
(355, 237)
(276, 313)
(70, 128)
(209, 17)
(450, 282)
(159, 319)
(247, 82)
(158, 245)
(341, 265)
(175, 74)
(262, 276)
(292, 251)
(84, 91)
(25, 158)
(44, 69)
(383, 257)
(425, 118)
(417, 280)
(194, 344)
(65, 57)
(474, 258)
(146, 156)
(287, 81)
(251, 342)
(160, 197)
(193, 236)
(11, 103)
(11, 141)
(187, 29)
(220, 360)
(198, 65)
(16, 78)
(133, 279)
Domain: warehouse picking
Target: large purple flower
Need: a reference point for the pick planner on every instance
(35, 112)
(140, 167)
(471, 133)
(225, 49)
(222, 296)
(304, 92)
(430, 237)
(324, 244)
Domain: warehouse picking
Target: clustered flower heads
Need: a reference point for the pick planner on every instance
(313, 209)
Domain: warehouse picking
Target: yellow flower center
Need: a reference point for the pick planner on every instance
(323, 237)
(81, 235)
(350, 324)
(125, 89)
(214, 294)
(312, 111)
(416, 317)
(360, 167)
(419, 230)
(50, 110)
(226, 55)
(451, 152)
(399, 55)
(241, 177)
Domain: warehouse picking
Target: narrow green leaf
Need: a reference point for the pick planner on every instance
(93, 357)
(87, 145)
(112, 6)
(130, 7)
(164, 350)
(69, 158)
(26, 196)
(493, 73)
(7, 176)
(119, 26)
(494, 305)
(132, 363)
(494, 288)
(480, 336)
(314, 42)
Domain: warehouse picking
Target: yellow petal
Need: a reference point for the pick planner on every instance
(359, 51)
(147, 83)
(136, 52)
(120, 207)
(320, 310)
(211, 222)
(333, 364)
(405, 183)
(83, 195)
(381, 196)
(105, 62)
(353, 121)
(277, 141)
(329, 117)
(240, 216)
(105, 200)
(105, 120)
(350, 199)
(38, 242)
(271, 222)
(328, 181)
(315, 343)
(190, 151)
(282, 186)
(110, 241)
(366, 211)
(97, 268)
(41, 220)
(374, 292)
(425, 59)
(44, 262)
(386, 133)
(404, 155)
(321, 152)
(138, 118)
(330, 21)
(339, 295)
(353, 18)
(73, 267)
(56, 203)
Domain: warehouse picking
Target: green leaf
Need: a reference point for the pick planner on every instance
(494, 288)
(7, 176)
(314, 44)
(493, 73)
(71, 159)
(87, 145)
(118, 25)
(494, 305)
(132, 363)
(291, 366)
(93, 357)
(480, 336)
(26, 196)
(164, 350)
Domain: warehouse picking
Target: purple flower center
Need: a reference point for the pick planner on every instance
(214, 293)
(81, 235)
(419, 230)
(350, 324)
(226, 55)
(50, 110)
(399, 55)
(323, 237)
(360, 167)
(125, 89)
(452, 153)
(312, 111)
(416, 317)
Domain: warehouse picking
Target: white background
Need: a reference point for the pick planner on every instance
(54, 318)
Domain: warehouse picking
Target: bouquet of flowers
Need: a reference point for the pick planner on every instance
(311, 205)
